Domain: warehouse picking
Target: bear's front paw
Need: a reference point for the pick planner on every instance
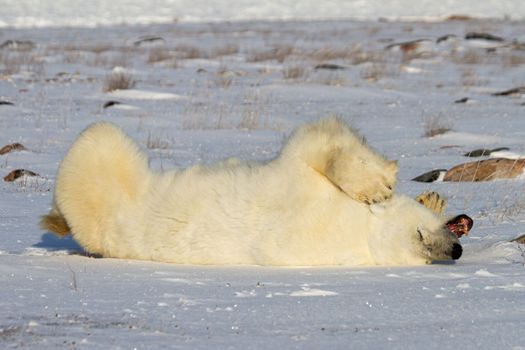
(375, 193)
(433, 201)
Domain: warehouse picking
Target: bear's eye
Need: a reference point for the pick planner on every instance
(420, 234)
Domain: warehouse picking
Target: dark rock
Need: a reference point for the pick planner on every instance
(17, 45)
(483, 36)
(514, 91)
(431, 176)
(110, 104)
(329, 66)
(445, 38)
(6, 103)
(462, 100)
(149, 39)
(484, 152)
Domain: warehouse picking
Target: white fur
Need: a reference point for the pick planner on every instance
(309, 206)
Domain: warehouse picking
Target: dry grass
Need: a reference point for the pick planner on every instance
(224, 77)
(329, 54)
(96, 48)
(277, 53)
(118, 80)
(157, 142)
(226, 50)
(202, 116)
(189, 52)
(254, 111)
(469, 78)
(158, 54)
(436, 125)
(15, 62)
(329, 78)
(359, 56)
(513, 59)
(470, 56)
(294, 72)
(375, 71)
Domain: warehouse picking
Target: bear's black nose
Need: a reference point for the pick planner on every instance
(456, 251)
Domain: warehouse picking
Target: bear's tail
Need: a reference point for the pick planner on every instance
(100, 181)
(55, 222)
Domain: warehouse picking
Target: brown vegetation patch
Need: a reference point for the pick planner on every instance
(12, 147)
(294, 72)
(15, 174)
(278, 53)
(458, 18)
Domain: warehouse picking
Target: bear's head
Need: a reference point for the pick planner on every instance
(406, 232)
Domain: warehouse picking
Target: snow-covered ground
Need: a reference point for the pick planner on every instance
(39, 13)
(205, 92)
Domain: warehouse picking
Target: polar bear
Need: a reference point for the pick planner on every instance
(326, 199)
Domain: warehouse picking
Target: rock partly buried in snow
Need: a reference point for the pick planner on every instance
(431, 176)
(329, 66)
(486, 170)
(484, 152)
(12, 147)
(149, 40)
(520, 90)
(15, 174)
(483, 36)
(110, 104)
(462, 100)
(22, 45)
(520, 239)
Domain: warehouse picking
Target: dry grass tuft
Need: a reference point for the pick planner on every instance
(278, 53)
(157, 142)
(470, 56)
(224, 77)
(469, 77)
(227, 50)
(158, 54)
(294, 72)
(15, 62)
(513, 59)
(254, 112)
(435, 125)
(189, 52)
(375, 71)
(118, 80)
(330, 78)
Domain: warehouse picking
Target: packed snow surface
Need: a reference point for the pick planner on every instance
(204, 92)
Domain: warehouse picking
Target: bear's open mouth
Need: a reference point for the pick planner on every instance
(460, 225)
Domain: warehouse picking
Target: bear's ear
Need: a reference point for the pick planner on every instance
(376, 209)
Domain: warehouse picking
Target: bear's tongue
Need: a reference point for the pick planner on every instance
(460, 228)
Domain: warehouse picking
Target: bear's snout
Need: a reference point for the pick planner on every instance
(457, 250)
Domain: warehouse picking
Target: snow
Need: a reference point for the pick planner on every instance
(143, 95)
(53, 296)
(37, 13)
